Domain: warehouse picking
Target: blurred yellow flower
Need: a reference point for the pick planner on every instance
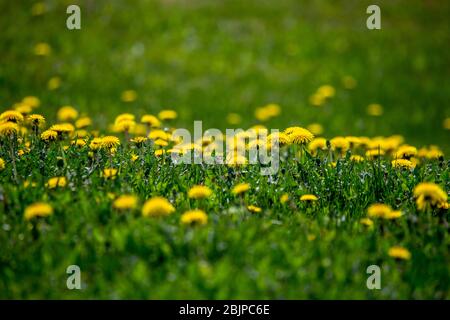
(55, 182)
(11, 116)
(157, 207)
(83, 122)
(308, 197)
(36, 120)
(374, 109)
(151, 121)
(38, 209)
(399, 253)
(378, 210)
(446, 123)
(62, 128)
(54, 83)
(194, 217)
(340, 144)
(8, 128)
(284, 198)
(125, 202)
(253, 209)
(2, 164)
(167, 115)
(109, 173)
(403, 163)
(429, 194)
(42, 49)
(367, 222)
(240, 188)
(128, 96)
(199, 192)
(233, 118)
(315, 128)
(49, 135)
(32, 101)
(349, 82)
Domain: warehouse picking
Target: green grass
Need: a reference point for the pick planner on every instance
(206, 59)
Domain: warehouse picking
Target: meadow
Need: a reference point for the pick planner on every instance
(86, 170)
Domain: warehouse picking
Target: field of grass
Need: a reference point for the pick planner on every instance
(385, 90)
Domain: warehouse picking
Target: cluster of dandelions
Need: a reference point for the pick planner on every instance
(21, 129)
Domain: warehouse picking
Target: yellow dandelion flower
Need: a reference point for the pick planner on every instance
(109, 142)
(67, 113)
(32, 101)
(284, 198)
(54, 83)
(194, 217)
(315, 128)
(159, 134)
(298, 135)
(317, 144)
(124, 126)
(63, 128)
(23, 108)
(128, 96)
(446, 123)
(356, 158)
(326, 91)
(134, 157)
(8, 128)
(79, 142)
(38, 209)
(160, 152)
(151, 121)
(83, 122)
(157, 207)
(254, 209)
(167, 115)
(340, 144)
(56, 182)
(125, 202)
(429, 194)
(402, 163)
(36, 120)
(95, 144)
(378, 210)
(161, 143)
(405, 152)
(374, 110)
(49, 135)
(308, 198)
(2, 164)
(199, 192)
(233, 118)
(109, 173)
(366, 221)
(283, 139)
(240, 188)
(11, 116)
(374, 153)
(42, 49)
(398, 252)
(394, 214)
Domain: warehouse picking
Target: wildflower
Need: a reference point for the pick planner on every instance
(2, 164)
(299, 135)
(11, 116)
(32, 101)
(405, 152)
(109, 173)
(233, 118)
(128, 96)
(374, 109)
(62, 128)
(393, 214)
(315, 128)
(308, 198)
(23, 108)
(283, 139)
(340, 144)
(38, 209)
(254, 209)
(199, 192)
(267, 112)
(159, 134)
(429, 194)
(54, 83)
(125, 202)
(160, 152)
(95, 144)
(167, 115)
(161, 143)
(446, 123)
(79, 142)
(134, 157)
(317, 144)
(42, 49)
(110, 142)
(374, 153)
(83, 122)
(157, 207)
(36, 120)
(403, 163)
(399, 253)
(326, 91)
(55, 182)
(151, 121)
(194, 217)
(366, 221)
(356, 158)
(8, 128)
(138, 141)
(284, 198)
(240, 188)
(67, 113)
(49, 135)
(378, 210)
(124, 126)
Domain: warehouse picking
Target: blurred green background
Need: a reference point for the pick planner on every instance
(208, 58)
